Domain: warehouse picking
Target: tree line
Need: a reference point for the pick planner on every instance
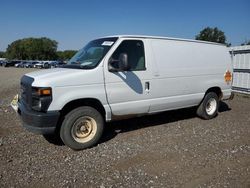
(36, 49)
(46, 49)
(215, 35)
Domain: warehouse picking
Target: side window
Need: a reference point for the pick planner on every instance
(135, 52)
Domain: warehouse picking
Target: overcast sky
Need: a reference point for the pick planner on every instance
(73, 23)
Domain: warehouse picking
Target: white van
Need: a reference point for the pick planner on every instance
(123, 76)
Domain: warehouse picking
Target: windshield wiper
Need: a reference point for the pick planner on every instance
(76, 66)
(85, 67)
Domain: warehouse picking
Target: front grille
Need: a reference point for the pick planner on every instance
(23, 93)
(26, 90)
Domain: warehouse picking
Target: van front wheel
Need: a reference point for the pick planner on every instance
(82, 128)
(208, 108)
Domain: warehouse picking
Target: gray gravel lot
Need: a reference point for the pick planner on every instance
(171, 149)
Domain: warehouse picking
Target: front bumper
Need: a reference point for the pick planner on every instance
(38, 122)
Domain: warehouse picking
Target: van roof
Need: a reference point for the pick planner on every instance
(163, 38)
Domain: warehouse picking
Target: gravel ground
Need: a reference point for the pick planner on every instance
(171, 149)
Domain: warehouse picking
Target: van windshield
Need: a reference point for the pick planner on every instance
(91, 55)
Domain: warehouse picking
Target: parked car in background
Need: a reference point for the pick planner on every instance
(21, 64)
(17, 65)
(46, 64)
(39, 65)
(54, 64)
(1, 62)
(60, 63)
(30, 64)
(11, 63)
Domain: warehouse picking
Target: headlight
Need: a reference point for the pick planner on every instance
(41, 98)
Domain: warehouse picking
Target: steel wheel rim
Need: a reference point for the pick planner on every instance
(211, 106)
(84, 129)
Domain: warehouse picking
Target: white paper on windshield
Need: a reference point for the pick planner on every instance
(107, 43)
(86, 63)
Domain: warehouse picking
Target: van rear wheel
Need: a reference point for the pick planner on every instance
(82, 128)
(208, 108)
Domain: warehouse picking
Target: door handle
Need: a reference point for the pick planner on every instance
(147, 86)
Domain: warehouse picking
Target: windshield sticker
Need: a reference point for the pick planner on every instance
(86, 63)
(107, 43)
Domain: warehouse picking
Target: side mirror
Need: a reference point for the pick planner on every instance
(123, 62)
(113, 65)
(119, 65)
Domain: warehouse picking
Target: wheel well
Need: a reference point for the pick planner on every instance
(216, 90)
(83, 102)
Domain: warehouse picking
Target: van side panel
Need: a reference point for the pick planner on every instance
(186, 71)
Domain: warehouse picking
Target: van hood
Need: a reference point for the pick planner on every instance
(59, 77)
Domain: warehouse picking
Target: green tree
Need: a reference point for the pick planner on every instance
(66, 55)
(32, 48)
(2, 54)
(212, 35)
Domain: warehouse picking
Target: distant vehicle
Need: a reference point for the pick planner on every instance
(50, 64)
(21, 64)
(60, 63)
(39, 65)
(46, 64)
(54, 64)
(17, 65)
(11, 63)
(30, 64)
(124, 76)
(1, 62)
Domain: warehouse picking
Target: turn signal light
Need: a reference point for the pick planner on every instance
(228, 76)
(44, 91)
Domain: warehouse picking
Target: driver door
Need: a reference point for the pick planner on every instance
(128, 91)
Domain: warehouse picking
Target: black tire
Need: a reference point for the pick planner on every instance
(82, 128)
(208, 108)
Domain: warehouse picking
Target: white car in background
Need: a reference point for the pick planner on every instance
(41, 65)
